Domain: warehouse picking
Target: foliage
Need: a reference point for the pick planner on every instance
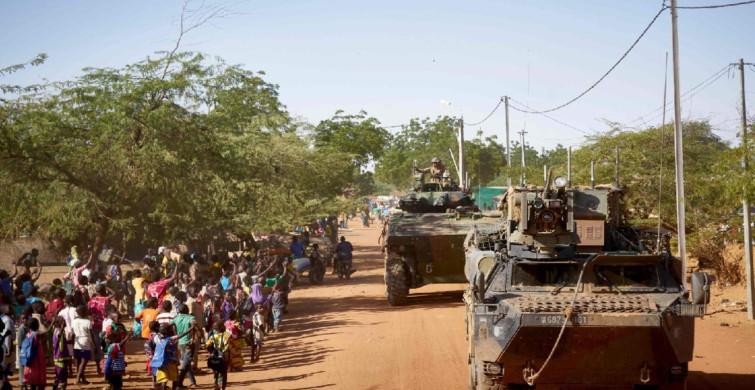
(708, 246)
(170, 147)
(421, 140)
(359, 135)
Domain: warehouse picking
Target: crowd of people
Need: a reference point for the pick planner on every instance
(180, 304)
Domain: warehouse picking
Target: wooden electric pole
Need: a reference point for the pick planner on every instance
(508, 143)
(678, 150)
(745, 198)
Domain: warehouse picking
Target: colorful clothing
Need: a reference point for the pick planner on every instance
(139, 306)
(53, 308)
(146, 316)
(220, 340)
(158, 290)
(34, 372)
(236, 342)
(61, 355)
(115, 333)
(97, 307)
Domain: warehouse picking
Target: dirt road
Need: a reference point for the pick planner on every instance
(344, 335)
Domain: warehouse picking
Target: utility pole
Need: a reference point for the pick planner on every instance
(568, 168)
(678, 150)
(745, 198)
(462, 165)
(508, 150)
(524, 177)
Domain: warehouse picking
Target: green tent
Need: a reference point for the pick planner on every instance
(484, 196)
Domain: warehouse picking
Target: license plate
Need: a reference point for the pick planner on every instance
(559, 319)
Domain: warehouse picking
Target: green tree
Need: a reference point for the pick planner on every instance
(359, 135)
(170, 147)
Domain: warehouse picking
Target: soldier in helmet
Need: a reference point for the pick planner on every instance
(435, 171)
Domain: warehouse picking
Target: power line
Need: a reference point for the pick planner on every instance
(700, 87)
(545, 115)
(636, 41)
(718, 74)
(487, 117)
(718, 6)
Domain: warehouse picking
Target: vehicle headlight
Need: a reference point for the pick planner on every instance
(559, 182)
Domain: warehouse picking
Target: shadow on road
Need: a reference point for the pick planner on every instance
(698, 380)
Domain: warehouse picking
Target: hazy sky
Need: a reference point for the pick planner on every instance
(397, 60)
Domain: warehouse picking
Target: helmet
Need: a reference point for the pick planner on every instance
(435, 160)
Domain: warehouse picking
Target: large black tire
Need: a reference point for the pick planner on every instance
(395, 283)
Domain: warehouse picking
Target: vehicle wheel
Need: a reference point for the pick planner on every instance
(347, 271)
(317, 275)
(395, 283)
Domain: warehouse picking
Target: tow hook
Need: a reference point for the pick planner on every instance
(645, 373)
(528, 371)
(429, 268)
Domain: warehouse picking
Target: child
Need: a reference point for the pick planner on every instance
(278, 304)
(165, 360)
(83, 343)
(218, 341)
(61, 354)
(149, 345)
(258, 330)
(146, 316)
(34, 372)
(236, 341)
(166, 315)
(115, 363)
(138, 283)
(20, 335)
(69, 314)
(128, 288)
(229, 302)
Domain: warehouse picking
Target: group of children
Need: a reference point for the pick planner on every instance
(180, 304)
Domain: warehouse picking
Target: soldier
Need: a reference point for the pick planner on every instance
(435, 171)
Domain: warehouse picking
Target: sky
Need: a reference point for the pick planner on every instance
(397, 60)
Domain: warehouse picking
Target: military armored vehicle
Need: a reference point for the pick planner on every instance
(563, 294)
(424, 243)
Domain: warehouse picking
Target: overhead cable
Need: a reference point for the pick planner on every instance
(718, 5)
(487, 117)
(636, 41)
(540, 113)
(693, 91)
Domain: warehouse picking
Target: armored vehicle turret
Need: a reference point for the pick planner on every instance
(564, 294)
(435, 196)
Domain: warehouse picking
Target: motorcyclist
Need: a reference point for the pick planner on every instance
(343, 251)
(314, 257)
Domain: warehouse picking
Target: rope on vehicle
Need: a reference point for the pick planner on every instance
(568, 311)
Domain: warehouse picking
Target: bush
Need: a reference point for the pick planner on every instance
(709, 247)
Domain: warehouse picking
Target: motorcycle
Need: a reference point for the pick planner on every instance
(342, 267)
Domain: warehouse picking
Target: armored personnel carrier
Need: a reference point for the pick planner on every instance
(425, 243)
(564, 295)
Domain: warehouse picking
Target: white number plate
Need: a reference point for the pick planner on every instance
(559, 320)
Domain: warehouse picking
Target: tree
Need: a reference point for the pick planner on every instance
(359, 135)
(641, 154)
(169, 147)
